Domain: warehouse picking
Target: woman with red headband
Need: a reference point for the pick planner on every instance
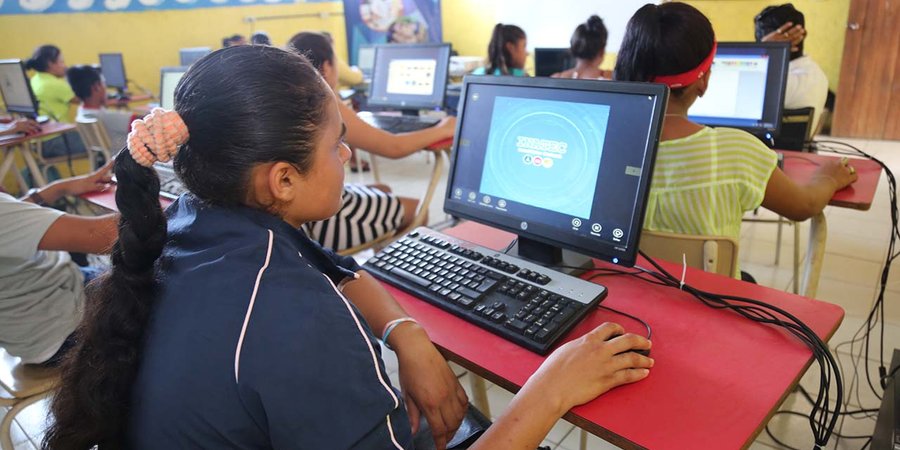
(706, 178)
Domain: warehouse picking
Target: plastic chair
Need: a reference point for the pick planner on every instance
(95, 139)
(22, 385)
(716, 254)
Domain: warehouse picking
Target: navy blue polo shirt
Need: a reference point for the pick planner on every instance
(251, 344)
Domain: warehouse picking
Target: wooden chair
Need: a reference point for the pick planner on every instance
(716, 254)
(22, 385)
(95, 139)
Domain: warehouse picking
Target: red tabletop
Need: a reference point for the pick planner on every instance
(47, 129)
(800, 166)
(107, 199)
(718, 377)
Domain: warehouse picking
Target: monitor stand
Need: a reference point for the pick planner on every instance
(410, 112)
(551, 256)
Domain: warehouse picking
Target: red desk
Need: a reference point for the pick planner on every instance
(800, 168)
(107, 199)
(718, 377)
(10, 144)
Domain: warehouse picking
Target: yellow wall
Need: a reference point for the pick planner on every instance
(468, 27)
(151, 39)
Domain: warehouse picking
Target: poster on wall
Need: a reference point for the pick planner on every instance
(391, 21)
(9, 7)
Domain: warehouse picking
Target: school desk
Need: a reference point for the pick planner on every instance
(11, 144)
(717, 378)
(800, 168)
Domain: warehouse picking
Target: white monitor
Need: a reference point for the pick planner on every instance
(169, 78)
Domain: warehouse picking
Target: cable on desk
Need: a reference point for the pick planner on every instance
(876, 314)
(822, 418)
(616, 311)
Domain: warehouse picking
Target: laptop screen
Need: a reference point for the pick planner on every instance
(410, 76)
(564, 162)
(15, 89)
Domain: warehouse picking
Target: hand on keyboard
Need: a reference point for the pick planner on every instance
(587, 367)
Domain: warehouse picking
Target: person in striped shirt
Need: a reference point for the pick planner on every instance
(368, 212)
(706, 178)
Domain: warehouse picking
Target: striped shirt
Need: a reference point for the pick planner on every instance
(366, 214)
(703, 183)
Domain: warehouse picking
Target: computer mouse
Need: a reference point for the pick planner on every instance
(640, 351)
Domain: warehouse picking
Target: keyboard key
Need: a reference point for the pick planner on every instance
(498, 317)
(468, 292)
(485, 285)
(542, 335)
(517, 325)
(466, 302)
(410, 277)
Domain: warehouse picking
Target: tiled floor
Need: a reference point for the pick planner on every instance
(855, 252)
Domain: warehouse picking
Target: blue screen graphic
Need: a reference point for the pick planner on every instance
(545, 153)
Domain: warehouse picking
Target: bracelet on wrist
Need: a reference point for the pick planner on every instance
(389, 327)
(34, 195)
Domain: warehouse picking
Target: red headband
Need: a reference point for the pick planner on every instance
(687, 78)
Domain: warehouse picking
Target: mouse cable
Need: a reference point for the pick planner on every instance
(637, 319)
(876, 315)
(822, 418)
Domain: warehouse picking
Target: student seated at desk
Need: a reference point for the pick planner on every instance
(41, 289)
(19, 126)
(223, 325)
(55, 98)
(588, 46)
(369, 212)
(807, 84)
(507, 52)
(91, 89)
(706, 178)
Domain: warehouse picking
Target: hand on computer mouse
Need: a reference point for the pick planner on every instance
(26, 126)
(640, 351)
(586, 367)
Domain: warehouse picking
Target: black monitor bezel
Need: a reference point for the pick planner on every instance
(34, 102)
(781, 76)
(162, 76)
(440, 84)
(124, 74)
(639, 88)
(539, 50)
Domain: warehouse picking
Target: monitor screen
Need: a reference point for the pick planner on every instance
(15, 88)
(169, 78)
(188, 56)
(565, 163)
(113, 70)
(409, 76)
(746, 87)
(548, 61)
(365, 59)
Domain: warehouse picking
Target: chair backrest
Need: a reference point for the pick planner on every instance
(94, 136)
(796, 129)
(24, 380)
(717, 254)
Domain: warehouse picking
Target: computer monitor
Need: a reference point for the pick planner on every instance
(16, 90)
(113, 69)
(565, 164)
(365, 59)
(409, 77)
(188, 56)
(746, 88)
(548, 61)
(168, 79)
